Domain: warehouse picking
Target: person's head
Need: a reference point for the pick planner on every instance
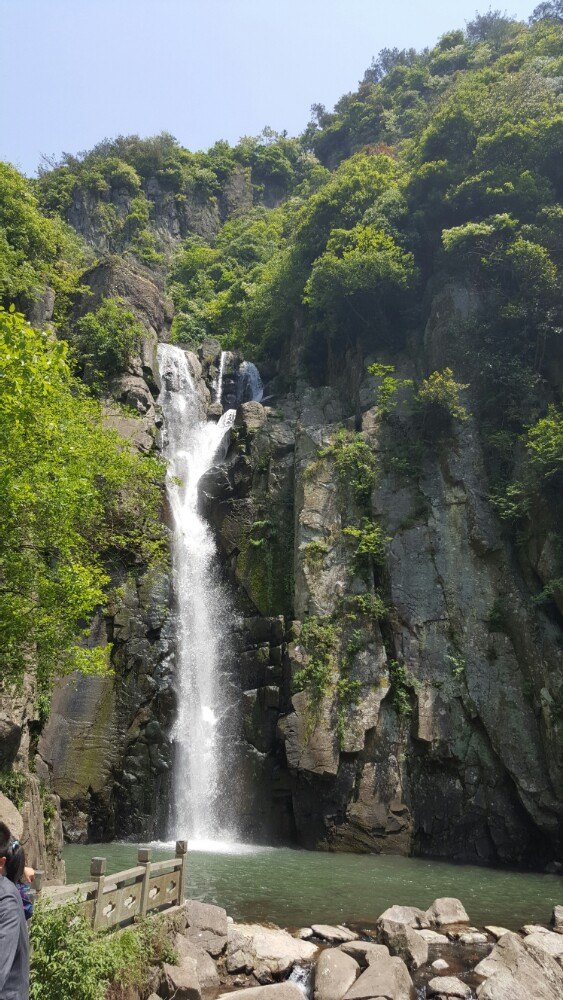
(5, 844)
(12, 855)
(15, 862)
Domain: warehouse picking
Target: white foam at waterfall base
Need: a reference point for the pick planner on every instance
(214, 846)
(204, 764)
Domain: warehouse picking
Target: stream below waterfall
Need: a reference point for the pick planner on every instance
(294, 888)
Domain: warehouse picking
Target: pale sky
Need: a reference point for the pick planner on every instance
(73, 72)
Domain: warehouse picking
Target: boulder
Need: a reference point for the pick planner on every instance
(496, 932)
(304, 933)
(335, 974)
(268, 952)
(446, 910)
(439, 965)
(206, 926)
(365, 952)
(11, 817)
(432, 937)
(404, 942)
(448, 986)
(534, 929)
(279, 991)
(411, 916)
(334, 934)
(386, 979)
(518, 970)
(557, 919)
(205, 966)
(181, 981)
(547, 941)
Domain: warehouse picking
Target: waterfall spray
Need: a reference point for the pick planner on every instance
(203, 763)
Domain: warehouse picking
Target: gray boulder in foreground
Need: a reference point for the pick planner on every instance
(404, 942)
(279, 991)
(205, 966)
(412, 916)
(335, 973)
(518, 970)
(206, 926)
(268, 952)
(181, 981)
(445, 911)
(386, 979)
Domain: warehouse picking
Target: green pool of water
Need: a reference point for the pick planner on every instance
(294, 888)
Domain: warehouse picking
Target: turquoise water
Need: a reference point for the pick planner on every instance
(294, 888)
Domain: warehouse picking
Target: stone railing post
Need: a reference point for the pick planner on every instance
(144, 857)
(182, 852)
(98, 875)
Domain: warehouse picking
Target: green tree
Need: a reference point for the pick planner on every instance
(77, 504)
(105, 341)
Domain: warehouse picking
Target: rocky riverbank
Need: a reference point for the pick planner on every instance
(409, 953)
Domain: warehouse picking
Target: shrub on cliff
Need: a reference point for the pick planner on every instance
(105, 340)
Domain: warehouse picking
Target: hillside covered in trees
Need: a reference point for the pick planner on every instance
(403, 253)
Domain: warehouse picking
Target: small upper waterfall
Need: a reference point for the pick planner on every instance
(225, 355)
(249, 383)
(202, 744)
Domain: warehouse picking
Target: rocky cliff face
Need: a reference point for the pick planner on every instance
(435, 728)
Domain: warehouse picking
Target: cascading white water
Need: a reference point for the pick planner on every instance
(249, 383)
(202, 767)
(219, 386)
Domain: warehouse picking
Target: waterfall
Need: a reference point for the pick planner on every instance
(202, 740)
(219, 386)
(249, 383)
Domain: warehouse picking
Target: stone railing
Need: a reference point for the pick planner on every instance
(112, 901)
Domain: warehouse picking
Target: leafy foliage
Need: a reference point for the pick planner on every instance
(75, 501)
(34, 250)
(67, 955)
(354, 463)
(105, 340)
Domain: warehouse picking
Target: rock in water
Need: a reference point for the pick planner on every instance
(404, 942)
(497, 932)
(335, 974)
(432, 937)
(439, 965)
(365, 952)
(387, 978)
(445, 911)
(411, 916)
(448, 986)
(333, 934)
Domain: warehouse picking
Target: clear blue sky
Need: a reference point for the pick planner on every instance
(73, 72)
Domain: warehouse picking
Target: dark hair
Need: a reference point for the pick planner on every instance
(5, 840)
(15, 862)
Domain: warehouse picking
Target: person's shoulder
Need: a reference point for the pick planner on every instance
(7, 889)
